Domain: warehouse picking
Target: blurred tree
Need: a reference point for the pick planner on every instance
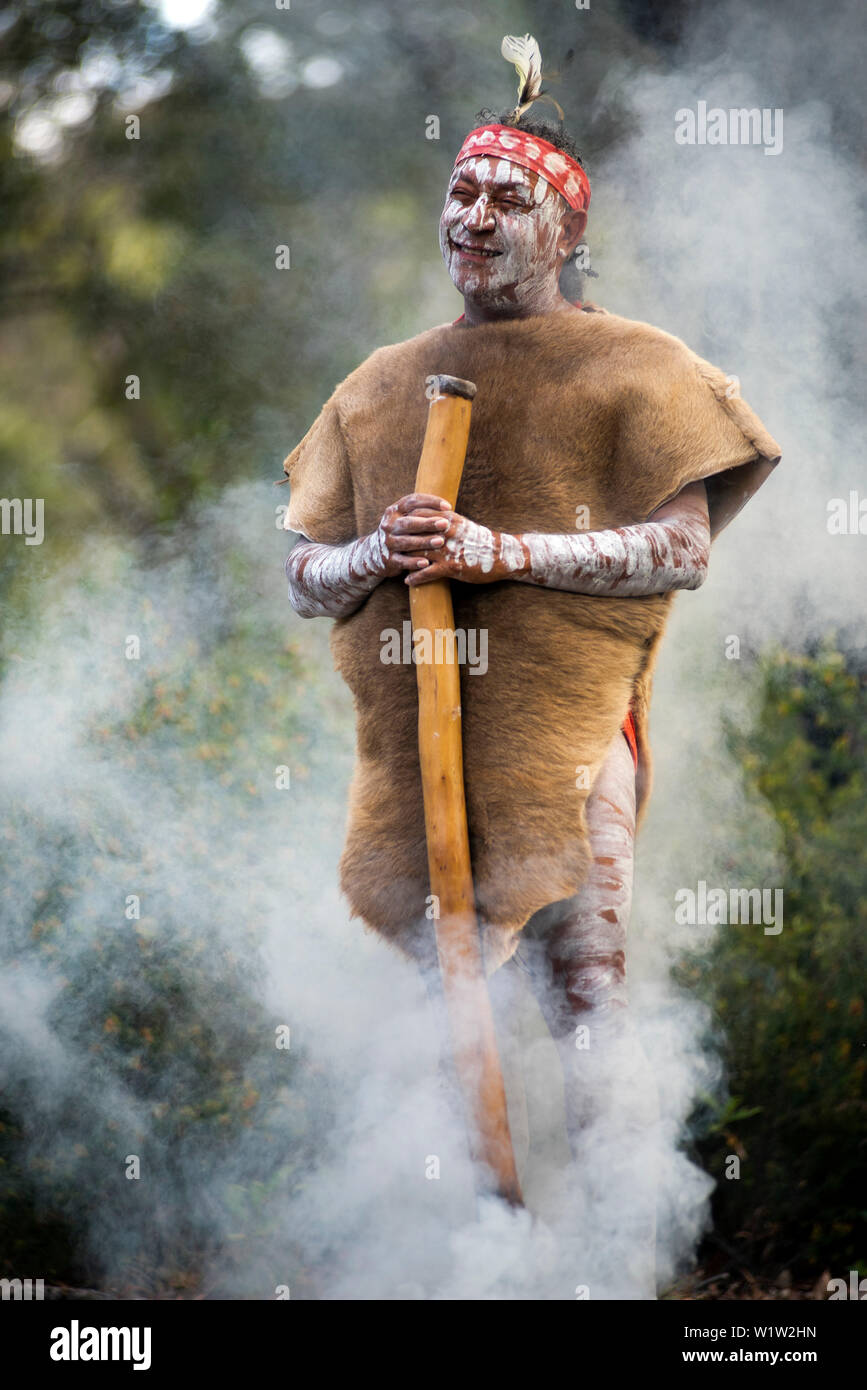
(791, 1007)
(155, 257)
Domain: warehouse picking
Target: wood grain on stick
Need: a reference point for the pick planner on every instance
(467, 1000)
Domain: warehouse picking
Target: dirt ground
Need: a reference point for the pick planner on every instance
(740, 1284)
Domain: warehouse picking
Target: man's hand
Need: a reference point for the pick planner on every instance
(469, 551)
(411, 532)
(668, 551)
(334, 580)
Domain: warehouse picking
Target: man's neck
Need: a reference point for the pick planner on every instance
(476, 313)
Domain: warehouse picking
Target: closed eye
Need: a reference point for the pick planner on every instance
(507, 198)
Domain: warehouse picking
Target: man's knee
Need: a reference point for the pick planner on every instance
(596, 983)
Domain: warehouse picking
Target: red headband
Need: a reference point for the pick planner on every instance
(556, 167)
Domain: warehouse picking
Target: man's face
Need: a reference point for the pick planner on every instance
(502, 233)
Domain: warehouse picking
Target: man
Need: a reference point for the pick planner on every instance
(604, 456)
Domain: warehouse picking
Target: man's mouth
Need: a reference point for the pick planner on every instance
(473, 251)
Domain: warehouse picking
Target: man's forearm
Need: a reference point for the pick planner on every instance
(653, 557)
(332, 581)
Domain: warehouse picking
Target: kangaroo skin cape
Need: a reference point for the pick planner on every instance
(574, 411)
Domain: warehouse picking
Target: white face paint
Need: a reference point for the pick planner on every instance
(499, 235)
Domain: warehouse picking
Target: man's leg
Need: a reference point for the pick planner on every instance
(576, 954)
(579, 945)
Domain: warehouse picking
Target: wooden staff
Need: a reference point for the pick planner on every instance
(468, 1004)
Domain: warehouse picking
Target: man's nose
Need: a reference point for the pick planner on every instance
(480, 217)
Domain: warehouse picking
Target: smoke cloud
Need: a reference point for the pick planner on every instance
(349, 1179)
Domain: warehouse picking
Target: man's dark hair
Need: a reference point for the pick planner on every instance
(556, 135)
(572, 279)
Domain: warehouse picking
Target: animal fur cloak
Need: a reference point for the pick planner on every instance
(584, 410)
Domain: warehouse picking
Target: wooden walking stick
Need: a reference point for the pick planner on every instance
(468, 1004)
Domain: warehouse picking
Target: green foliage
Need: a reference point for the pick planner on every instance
(792, 1006)
(155, 256)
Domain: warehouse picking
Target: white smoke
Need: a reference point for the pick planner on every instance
(751, 260)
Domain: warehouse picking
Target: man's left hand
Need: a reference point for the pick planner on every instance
(472, 553)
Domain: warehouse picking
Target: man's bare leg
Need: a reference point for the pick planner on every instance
(580, 943)
(576, 954)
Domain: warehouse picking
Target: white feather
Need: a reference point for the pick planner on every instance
(524, 53)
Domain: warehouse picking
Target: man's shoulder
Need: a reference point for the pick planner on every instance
(639, 361)
(635, 337)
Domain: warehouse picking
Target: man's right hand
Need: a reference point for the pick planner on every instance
(334, 580)
(403, 538)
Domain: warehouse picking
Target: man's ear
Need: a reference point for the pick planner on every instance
(572, 230)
